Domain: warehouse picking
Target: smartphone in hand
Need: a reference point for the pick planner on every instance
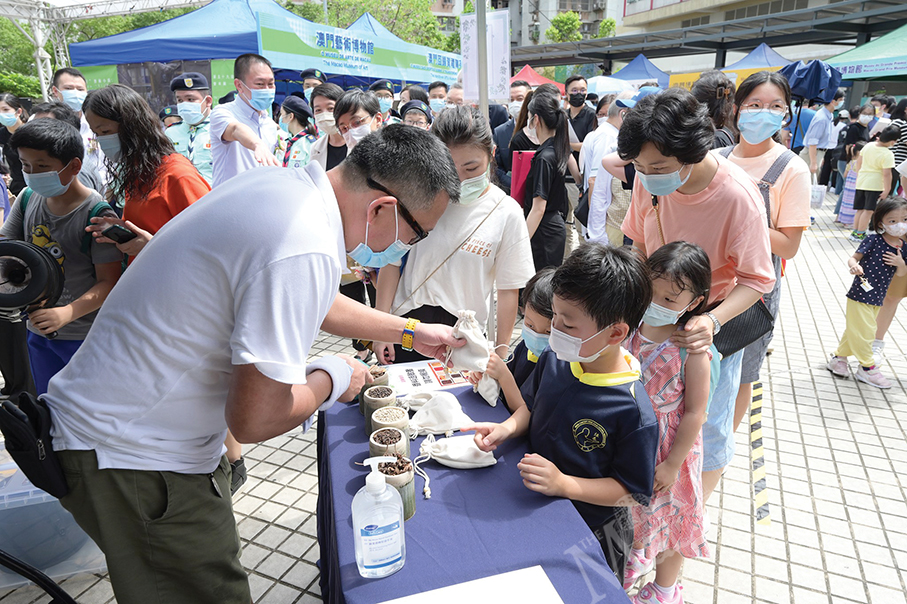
(118, 234)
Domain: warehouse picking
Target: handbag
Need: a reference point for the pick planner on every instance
(581, 213)
(522, 162)
(26, 428)
(742, 330)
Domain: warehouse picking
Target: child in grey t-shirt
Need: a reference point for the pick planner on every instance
(52, 212)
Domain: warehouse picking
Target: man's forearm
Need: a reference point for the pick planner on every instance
(350, 319)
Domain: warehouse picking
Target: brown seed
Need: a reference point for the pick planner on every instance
(401, 466)
(386, 436)
(379, 392)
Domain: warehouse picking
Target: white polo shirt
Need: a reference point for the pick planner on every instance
(219, 285)
(229, 159)
(94, 157)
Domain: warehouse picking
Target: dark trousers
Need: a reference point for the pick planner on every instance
(826, 167)
(357, 291)
(616, 539)
(14, 364)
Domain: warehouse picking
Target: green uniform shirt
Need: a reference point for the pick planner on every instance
(183, 136)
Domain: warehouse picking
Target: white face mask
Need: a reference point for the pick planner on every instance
(567, 347)
(514, 108)
(531, 132)
(354, 135)
(325, 123)
(899, 229)
(602, 120)
(865, 119)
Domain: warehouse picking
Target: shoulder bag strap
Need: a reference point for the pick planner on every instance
(771, 177)
(726, 151)
(449, 256)
(658, 220)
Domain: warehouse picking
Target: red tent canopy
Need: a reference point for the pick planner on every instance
(534, 78)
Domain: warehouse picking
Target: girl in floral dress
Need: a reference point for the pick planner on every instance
(671, 526)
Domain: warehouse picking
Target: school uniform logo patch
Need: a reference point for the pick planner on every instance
(589, 435)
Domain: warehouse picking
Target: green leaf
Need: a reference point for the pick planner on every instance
(565, 27)
(19, 85)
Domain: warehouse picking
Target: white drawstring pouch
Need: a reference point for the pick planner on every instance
(458, 452)
(442, 414)
(474, 355)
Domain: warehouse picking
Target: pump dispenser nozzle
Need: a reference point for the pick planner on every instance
(375, 482)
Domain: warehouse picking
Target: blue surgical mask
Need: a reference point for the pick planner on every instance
(261, 98)
(567, 347)
(110, 145)
(663, 184)
(385, 104)
(74, 98)
(437, 104)
(190, 112)
(307, 93)
(535, 342)
(283, 126)
(8, 119)
(368, 257)
(471, 189)
(659, 316)
(758, 126)
(47, 184)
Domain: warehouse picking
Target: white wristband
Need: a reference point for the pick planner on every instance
(340, 373)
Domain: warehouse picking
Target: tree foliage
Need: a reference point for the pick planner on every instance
(18, 53)
(20, 85)
(452, 43)
(607, 27)
(565, 27)
(411, 20)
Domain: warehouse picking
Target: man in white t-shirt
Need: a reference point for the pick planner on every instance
(222, 341)
(243, 133)
(599, 180)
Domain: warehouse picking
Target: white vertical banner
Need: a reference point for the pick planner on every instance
(498, 63)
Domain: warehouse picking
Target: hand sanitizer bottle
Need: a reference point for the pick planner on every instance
(378, 525)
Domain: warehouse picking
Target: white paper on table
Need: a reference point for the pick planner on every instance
(422, 376)
(527, 586)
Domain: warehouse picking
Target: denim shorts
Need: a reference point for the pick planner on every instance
(717, 432)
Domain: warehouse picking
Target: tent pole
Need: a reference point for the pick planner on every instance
(324, 3)
(482, 38)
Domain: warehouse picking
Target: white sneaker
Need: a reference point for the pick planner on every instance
(838, 366)
(873, 377)
(878, 351)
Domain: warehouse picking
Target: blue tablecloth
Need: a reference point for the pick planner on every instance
(477, 523)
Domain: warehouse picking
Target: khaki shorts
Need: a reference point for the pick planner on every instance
(169, 538)
(898, 287)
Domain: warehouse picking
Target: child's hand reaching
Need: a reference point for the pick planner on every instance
(541, 476)
(665, 476)
(496, 367)
(488, 435)
(856, 269)
(893, 259)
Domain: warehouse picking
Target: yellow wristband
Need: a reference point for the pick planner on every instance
(409, 332)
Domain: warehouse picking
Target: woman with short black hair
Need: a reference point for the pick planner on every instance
(682, 192)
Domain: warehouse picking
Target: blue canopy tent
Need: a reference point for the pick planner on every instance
(641, 70)
(761, 57)
(222, 29)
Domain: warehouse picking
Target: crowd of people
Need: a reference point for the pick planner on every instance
(644, 249)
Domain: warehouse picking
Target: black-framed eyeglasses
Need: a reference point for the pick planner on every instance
(407, 217)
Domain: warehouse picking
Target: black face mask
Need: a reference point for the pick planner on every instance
(577, 99)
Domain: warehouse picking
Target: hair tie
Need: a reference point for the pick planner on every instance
(722, 92)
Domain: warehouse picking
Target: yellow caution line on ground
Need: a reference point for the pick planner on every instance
(757, 458)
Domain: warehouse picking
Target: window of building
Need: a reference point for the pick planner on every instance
(694, 22)
(765, 8)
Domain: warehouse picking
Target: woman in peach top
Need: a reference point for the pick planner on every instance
(763, 106)
(701, 198)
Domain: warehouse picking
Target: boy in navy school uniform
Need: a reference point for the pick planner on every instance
(591, 426)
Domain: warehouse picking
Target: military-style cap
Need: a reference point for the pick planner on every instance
(381, 85)
(295, 103)
(168, 111)
(191, 80)
(314, 73)
(418, 106)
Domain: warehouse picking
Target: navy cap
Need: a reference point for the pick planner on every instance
(168, 111)
(314, 73)
(381, 85)
(191, 80)
(296, 103)
(418, 106)
(640, 94)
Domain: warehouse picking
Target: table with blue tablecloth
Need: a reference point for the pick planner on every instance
(478, 522)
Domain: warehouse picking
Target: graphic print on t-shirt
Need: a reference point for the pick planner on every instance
(40, 236)
(478, 247)
(589, 435)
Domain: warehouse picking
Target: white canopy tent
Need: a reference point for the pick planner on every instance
(49, 20)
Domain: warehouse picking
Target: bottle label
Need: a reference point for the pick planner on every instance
(380, 545)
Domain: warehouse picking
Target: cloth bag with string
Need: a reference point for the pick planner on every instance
(474, 355)
(458, 452)
(440, 415)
